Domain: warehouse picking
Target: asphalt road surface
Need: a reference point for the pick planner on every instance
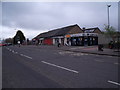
(45, 67)
(0, 67)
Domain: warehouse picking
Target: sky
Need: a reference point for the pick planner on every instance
(33, 18)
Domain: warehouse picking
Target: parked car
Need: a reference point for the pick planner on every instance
(9, 44)
(3, 44)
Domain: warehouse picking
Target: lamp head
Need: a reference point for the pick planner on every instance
(109, 5)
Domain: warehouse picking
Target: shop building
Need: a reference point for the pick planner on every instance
(71, 35)
(87, 38)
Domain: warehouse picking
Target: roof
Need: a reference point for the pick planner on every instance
(57, 32)
(65, 30)
(92, 30)
(73, 29)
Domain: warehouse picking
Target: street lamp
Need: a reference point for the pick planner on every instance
(84, 34)
(108, 15)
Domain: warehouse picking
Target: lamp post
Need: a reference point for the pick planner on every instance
(84, 35)
(108, 15)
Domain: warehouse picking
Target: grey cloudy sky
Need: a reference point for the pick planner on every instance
(36, 17)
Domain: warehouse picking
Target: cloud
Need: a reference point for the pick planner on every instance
(50, 15)
(8, 32)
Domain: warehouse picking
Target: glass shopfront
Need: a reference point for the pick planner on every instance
(84, 41)
(77, 41)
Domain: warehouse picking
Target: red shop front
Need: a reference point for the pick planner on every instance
(48, 41)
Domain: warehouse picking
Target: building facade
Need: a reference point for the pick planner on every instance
(71, 35)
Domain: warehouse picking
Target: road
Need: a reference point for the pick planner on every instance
(0, 67)
(45, 67)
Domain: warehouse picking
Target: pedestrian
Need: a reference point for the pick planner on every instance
(19, 43)
(58, 44)
(100, 47)
(111, 45)
(66, 44)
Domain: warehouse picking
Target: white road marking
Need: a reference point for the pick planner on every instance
(99, 61)
(60, 67)
(86, 54)
(16, 52)
(26, 56)
(21, 54)
(13, 51)
(97, 55)
(61, 53)
(77, 54)
(116, 63)
(64, 52)
(114, 82)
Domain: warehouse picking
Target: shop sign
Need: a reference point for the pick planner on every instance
(67, 36)
(58, 37)
(76, 35)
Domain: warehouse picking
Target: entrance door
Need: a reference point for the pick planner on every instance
(73, 41)
(56, 41)
(95, 40)
(86, 41)
(62, 41)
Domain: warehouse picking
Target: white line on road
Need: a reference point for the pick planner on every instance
(13, 51)
(16, 52)
(26, 56)
(60, 67)
(116, 63)
(21, 54)
(99, 61)
(113, 82)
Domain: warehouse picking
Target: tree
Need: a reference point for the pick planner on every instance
(19, 37)
(114, 35)
(9, 40)
(110, 32)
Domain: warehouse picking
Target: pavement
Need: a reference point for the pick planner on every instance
(0, 67)
(92, 50)
(84, 49)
